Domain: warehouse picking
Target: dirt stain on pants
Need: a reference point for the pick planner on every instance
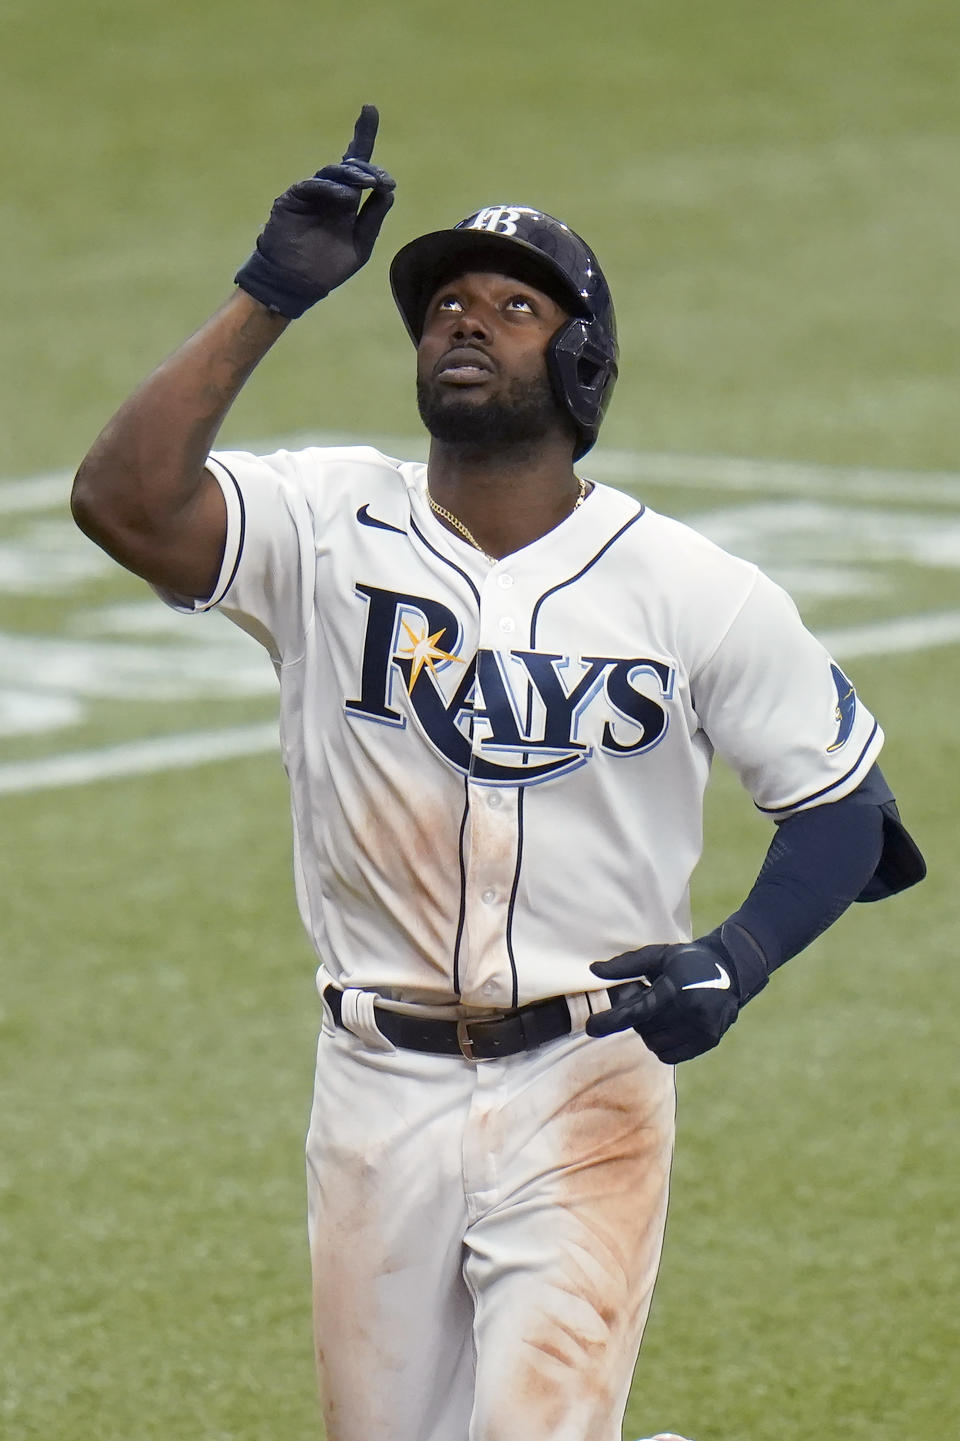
(485, 1238)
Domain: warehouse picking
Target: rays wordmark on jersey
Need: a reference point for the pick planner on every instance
(507, 717)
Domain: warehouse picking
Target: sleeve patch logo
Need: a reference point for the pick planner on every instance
(846, 709)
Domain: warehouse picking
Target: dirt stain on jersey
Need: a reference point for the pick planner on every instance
(491, 838)
(407, 858)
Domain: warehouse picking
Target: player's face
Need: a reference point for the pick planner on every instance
(481, 362)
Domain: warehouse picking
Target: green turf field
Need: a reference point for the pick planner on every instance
(772, 190)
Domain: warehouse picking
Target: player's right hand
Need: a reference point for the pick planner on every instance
(318, 234)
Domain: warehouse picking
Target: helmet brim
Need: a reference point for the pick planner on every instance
(422, 266)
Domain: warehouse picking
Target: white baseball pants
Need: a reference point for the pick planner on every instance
(484, 1236)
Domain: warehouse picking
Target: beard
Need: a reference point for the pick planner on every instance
(520, 417)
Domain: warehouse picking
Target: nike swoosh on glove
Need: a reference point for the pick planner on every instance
(681, 999)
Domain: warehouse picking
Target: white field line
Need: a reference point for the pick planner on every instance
(713, 472)
(798, 479)
(137, 758)
(893, 637)
(181, 752)
(41, 492)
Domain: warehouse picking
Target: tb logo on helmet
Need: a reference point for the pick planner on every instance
(499, 219)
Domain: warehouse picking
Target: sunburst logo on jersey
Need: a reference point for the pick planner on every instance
(424, 651)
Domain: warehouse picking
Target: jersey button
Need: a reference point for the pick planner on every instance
(488, 988)
(494, 800)
(507, 623)
(504, 581)
(488, 897)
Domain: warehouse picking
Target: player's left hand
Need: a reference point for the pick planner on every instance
(682, 1000)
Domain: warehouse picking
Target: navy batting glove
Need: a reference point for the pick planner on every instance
(681, 999)
(318, 234)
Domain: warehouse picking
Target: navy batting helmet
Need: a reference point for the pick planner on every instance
(536, 248)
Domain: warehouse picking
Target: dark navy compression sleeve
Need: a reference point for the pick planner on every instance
(818, 863)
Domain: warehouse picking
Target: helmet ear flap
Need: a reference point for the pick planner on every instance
(582, 365)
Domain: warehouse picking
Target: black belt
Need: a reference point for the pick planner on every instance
(507, 1035)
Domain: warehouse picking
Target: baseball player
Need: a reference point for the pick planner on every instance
(501, 687)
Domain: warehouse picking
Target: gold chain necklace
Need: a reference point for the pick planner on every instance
(459, 526)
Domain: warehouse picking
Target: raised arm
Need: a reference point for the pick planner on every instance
(142, 492)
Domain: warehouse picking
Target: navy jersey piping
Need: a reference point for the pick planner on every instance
(216, 599)
(515, 987)
(461, 921)
(522, 789)
(571, 580)
(440, 556)
(805, 801)
(462, 917)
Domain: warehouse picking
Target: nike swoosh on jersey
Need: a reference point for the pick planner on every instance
(365, 518)
(720, 982)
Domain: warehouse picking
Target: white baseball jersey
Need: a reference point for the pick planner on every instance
(497, 771)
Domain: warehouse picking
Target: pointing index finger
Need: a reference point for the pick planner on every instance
(364, 134)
